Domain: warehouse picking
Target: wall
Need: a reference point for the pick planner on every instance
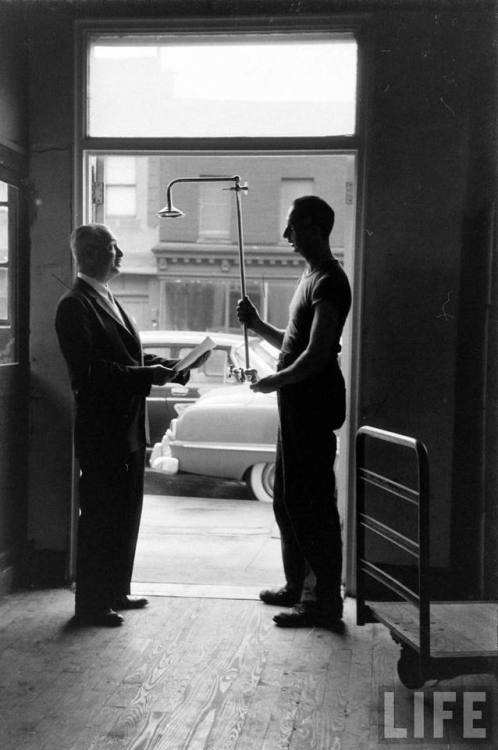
(13, 377)
(421, 337)
(51, 153)
(13, 121)
(423, 114)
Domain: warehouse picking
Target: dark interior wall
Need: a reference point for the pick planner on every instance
(424, 111)
(429, 188)
(476, 402)
(13, 119)
(13, 377)
(415, 190)
(51, 92)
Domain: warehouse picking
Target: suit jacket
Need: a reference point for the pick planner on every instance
(110, 375)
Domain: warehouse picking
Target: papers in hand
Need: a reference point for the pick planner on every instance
(192, 356)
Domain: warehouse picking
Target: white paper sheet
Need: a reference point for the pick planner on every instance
(192, 356)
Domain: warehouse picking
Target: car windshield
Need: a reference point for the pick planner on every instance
(262, 357)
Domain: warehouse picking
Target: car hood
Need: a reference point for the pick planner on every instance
(235, 395)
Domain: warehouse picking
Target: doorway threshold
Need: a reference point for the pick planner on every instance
(195, 590)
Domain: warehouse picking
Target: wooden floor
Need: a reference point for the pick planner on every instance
(202, 674)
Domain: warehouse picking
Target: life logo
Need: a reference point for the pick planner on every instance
(433, 715)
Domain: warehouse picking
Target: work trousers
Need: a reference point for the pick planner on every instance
(110, 499)
(305, 502)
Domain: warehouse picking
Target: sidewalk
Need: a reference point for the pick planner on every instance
(205, 546)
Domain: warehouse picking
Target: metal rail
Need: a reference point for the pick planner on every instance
(417, 548)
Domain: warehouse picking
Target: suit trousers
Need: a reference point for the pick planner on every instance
(305, 502)
(110, 498)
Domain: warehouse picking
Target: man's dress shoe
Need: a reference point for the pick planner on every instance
(283, 597)
(309, 616)
(108, 618)
(129, 602)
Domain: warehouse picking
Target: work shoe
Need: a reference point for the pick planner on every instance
(283, 597)
(106, 618)
(308, 615)
(129, 602)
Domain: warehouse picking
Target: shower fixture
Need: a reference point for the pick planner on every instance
(169, 211)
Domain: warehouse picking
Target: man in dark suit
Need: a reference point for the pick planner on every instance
(110, 378)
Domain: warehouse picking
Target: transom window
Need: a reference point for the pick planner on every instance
(201, 87)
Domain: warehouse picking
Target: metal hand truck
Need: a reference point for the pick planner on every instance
(439, 639)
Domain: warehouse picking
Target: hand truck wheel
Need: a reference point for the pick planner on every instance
(409, 669)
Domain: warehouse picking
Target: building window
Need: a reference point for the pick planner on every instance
(215, 211)
(194, 305)
(8, 276)
(120, 186)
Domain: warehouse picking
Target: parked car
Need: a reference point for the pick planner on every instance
(228, 432)
(167, 401)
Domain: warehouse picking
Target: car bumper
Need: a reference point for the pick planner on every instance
(229, 460)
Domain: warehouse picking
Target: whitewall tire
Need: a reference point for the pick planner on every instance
(260, 480)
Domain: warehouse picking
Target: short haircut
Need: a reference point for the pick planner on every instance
(87, 237)
(317, 211)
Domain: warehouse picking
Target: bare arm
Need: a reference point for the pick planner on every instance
(317, 355)
(274, 336)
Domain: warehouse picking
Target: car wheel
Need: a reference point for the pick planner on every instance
(260, 480)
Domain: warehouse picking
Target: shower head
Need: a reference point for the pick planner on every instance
(170, 212)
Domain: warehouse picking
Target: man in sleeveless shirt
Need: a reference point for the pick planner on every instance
(311, 402)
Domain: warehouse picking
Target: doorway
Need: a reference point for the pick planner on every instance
(192, 130)
(176, 272)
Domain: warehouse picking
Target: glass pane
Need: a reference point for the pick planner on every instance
(176, 275)
(4, 234)
(4, 294)
(120, 170)
(7, 346)
(120, 201)
(290, 190)
(8, 288)
(215, 212)
(221, 88)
